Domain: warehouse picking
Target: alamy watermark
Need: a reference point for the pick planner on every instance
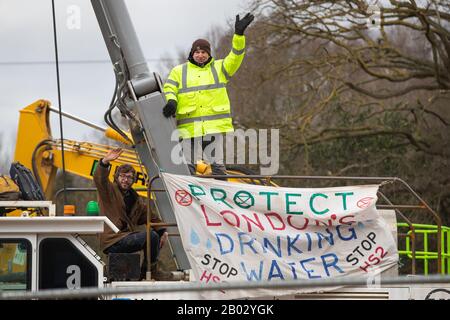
(374, 277)
(374, 20)
(375, 16)
(73, 21)
(255, 147)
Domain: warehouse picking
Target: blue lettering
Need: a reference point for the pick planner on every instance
(253, 272)
(267, 243)
(248, 243)
(231, 242)
(320, 236)
(352, 233)
(332, 264)
(309, 241)
(294, 272)
(279, 274)
(309, 271)
(290, 244)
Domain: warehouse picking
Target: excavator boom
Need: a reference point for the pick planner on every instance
(38, 150)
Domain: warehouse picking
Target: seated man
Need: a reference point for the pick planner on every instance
(123, 206)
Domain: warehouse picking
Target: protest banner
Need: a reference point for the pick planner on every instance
(243, 232)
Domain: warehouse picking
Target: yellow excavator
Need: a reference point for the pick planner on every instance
(37, 150)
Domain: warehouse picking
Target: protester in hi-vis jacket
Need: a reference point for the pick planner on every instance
(196, 90)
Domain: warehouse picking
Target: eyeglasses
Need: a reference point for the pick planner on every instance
(126, 177)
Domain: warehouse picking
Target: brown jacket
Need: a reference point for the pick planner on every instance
(112, 205)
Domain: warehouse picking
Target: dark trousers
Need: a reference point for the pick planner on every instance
(135, 242)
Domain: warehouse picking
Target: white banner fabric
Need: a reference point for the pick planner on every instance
(243, 232)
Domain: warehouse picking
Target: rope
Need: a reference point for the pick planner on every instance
(59, 100)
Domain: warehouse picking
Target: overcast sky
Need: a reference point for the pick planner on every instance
(27, 69)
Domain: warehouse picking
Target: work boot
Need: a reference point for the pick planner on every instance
(160, 275)
(219, 170)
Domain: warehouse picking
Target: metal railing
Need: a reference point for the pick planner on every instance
(382, 181)
(426, 254)
(197, 287)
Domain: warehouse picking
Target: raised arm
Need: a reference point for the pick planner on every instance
(233, 60)
(104, 186)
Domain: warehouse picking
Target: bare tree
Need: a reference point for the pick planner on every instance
(356, 87)
(364, 31)
(380, 52)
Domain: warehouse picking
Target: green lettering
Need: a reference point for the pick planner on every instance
(222, 199)
(268, 194)
(311, 201)
(288, 203)
(344, 198)
(242, 198)
(195, 193)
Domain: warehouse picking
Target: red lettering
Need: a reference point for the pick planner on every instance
(256, 223)
(274, 214)
(383, 253)
(289, 218)
(323, 223)
(341, 220)
(206, 276)
(364, 268)
(238, 222)
(209, 276)
(209, 223)
(374, 259)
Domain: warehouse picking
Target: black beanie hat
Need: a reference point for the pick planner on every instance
(201, 44)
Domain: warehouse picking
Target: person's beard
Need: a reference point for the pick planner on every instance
(123, 189)
(126, 187)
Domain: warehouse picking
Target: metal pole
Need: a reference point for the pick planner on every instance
(197, 286)
(257, 176)
(412, 228)
(70, 116)
(108, 31)
(115, 22)
(438, 223)
(148, 228)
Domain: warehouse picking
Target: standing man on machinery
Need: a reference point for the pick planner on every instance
(196, 94)
(123, 206)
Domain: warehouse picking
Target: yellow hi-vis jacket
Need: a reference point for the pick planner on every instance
(203, 105)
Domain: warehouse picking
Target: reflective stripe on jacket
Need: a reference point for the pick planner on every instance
(203, 105)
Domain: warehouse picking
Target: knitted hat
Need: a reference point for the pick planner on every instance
(201, 44)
